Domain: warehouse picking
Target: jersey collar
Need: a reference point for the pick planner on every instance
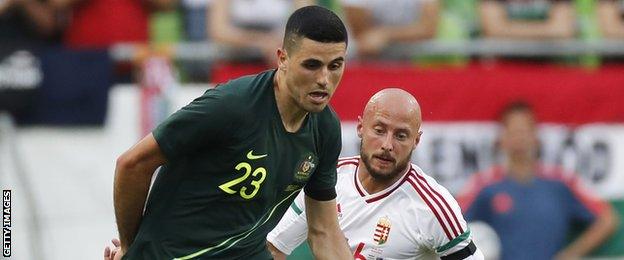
(369, 198)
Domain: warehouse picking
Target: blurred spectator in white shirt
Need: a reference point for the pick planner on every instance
(376, 24)
(251, 23)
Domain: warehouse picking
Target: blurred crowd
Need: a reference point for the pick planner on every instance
(29, 26)
(374, 24)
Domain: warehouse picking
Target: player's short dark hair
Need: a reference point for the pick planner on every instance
(518, 106)
(315, 23)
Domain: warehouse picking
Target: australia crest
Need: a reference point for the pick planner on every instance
(305, 168)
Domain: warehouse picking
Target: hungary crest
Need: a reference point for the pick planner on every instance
(382, 230)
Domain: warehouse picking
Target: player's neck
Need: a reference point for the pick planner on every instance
(291, 114)
(373, 185)
(521, 169)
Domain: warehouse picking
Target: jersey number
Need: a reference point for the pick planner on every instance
(358, 252)
(246, 171)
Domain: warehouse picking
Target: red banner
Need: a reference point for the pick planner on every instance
(477, 92)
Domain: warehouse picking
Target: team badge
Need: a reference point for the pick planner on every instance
(305, 168)
(382, 230)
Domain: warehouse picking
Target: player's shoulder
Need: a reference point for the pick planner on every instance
(426, 191)
(555, 173)
(347, 165)
(249, 81)
(246, 87)
(439, 214)
(485, 179)
(243, 95)
(566, 181)
(420, 185)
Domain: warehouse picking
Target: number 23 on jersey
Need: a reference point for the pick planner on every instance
(258, 175)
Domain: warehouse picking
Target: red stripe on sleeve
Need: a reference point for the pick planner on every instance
(448, 207)
(412, 182)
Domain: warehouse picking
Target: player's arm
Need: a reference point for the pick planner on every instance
(460, 246)
(586, 207)
(604, 225)
(324, 235)
(275, 253)
(496, 23)
(611, 24)
(447, 229)
(291, 231)
(133, 174)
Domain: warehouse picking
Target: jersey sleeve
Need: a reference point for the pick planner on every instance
(322, 182)
(583, 206)
(473, 199)
(449, 235)
(479, 209)
(292, 229)
(206, 120)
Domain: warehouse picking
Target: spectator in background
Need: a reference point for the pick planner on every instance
(251, 23)
(97, 24)
(527, 19)
(26, 20)
(26, 26)
(377, 23)
(532, 206)
(195, 19)
(611, 18)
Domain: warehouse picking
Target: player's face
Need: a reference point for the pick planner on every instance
(312, 71)
(388, 137)
(519, 135)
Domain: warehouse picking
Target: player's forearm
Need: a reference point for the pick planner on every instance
(275, 253)
(594, 235)
(497, 24)
(328, 244)
(530, 30)
(411, 32)
(131, 186)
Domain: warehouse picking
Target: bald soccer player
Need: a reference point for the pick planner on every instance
(388, 208)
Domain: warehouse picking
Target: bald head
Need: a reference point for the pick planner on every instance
(394, 103)
(389, 130)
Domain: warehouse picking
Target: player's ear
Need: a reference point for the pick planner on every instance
(359, 127)
(417, 141)
(282, 59)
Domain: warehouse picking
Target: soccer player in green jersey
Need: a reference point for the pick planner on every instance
(233, 160)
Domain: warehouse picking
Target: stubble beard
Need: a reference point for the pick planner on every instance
(378, 175)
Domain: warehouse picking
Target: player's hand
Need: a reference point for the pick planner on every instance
(566, 255)
(276, 253)
(114, 253)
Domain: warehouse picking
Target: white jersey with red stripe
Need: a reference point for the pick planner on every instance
(412, 219)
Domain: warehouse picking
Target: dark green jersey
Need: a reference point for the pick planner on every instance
(232, 171)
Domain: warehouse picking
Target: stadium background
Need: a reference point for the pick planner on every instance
(93, 104)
